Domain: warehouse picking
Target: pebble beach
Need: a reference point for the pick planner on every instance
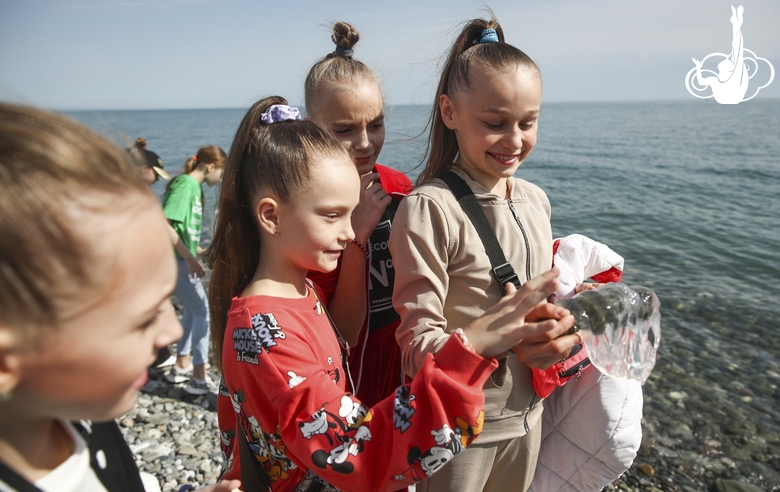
(174, 437)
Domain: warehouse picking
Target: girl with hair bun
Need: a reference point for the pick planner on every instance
(482, 127)
(288, 418)
(343, 95)
(183, 207)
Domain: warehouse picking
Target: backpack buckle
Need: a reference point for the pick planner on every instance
(505, 273)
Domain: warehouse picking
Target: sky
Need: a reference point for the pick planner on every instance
(166, 54)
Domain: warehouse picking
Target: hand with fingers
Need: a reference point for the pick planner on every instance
(521, 319)
(373, 202)
(196, 267)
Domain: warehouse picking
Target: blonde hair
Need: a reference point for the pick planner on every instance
(338, 67)
(466, 53)
(48, 164)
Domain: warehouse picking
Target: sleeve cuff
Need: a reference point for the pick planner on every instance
(462, 363)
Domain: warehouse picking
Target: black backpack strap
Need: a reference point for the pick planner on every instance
(110, 456)
(16, 481)
(502, 270)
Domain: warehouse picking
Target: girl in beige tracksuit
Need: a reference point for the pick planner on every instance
(483, 127)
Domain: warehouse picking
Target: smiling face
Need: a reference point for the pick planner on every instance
(315, 226)
(495, 123)
(354, 114)
(94, 363)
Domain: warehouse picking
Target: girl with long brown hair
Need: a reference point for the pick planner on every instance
(183, 207)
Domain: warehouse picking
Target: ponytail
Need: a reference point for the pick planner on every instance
(189, 165)
(207, 154)
(469, 49)
(263, 157)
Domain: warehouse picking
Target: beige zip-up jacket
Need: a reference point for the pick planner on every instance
(443, 281)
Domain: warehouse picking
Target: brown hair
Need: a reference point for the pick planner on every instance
(48, 164)
(466, 52)
(208, 154)
(140, 142)
(276, 158)
(338, 67)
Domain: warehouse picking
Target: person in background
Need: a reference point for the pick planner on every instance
(483, 126)
(81, 319)
(151, 165)
(151, 170)
(183, 207)
(344, 97)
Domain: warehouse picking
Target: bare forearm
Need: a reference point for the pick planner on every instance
(178, 245)
(349, 304)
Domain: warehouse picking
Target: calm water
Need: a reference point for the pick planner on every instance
(686, 192)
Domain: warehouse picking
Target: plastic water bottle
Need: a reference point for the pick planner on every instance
(620, 326)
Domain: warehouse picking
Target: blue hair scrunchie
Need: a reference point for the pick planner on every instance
(344, 51)
(279, 112)
(489, 36)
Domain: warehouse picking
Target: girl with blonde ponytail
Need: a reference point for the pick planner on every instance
(343, 96)
(483, 126)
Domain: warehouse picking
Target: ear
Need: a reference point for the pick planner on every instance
(447, 110)
(267, 215)
(10, 363)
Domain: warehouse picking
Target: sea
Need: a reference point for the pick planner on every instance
(686, 191)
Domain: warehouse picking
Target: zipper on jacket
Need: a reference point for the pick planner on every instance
(525, 238)
(527, 278)
(581, 365)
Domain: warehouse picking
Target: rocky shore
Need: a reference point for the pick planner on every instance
(174, 437)
(711, 418)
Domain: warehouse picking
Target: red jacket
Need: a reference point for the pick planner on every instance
(285, 384)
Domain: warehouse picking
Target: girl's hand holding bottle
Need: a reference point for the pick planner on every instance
(521, 320)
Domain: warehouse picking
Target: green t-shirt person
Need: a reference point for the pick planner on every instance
(183, 207)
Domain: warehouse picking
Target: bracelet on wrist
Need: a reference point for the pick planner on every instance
(362, 248)
(464, 340)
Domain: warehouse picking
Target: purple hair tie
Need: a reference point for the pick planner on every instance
(489, 36)
(279, 112)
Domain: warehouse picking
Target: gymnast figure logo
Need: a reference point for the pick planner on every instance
(730, 84)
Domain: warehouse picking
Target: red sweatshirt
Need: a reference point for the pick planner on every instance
(285, 384)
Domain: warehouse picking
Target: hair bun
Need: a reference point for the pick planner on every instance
(345, 37)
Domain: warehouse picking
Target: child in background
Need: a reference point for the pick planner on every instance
(151, 170)
(97, 286)
(343, 96)
(285, 206)
(483, 126)
(183, 207)
(151, 165)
